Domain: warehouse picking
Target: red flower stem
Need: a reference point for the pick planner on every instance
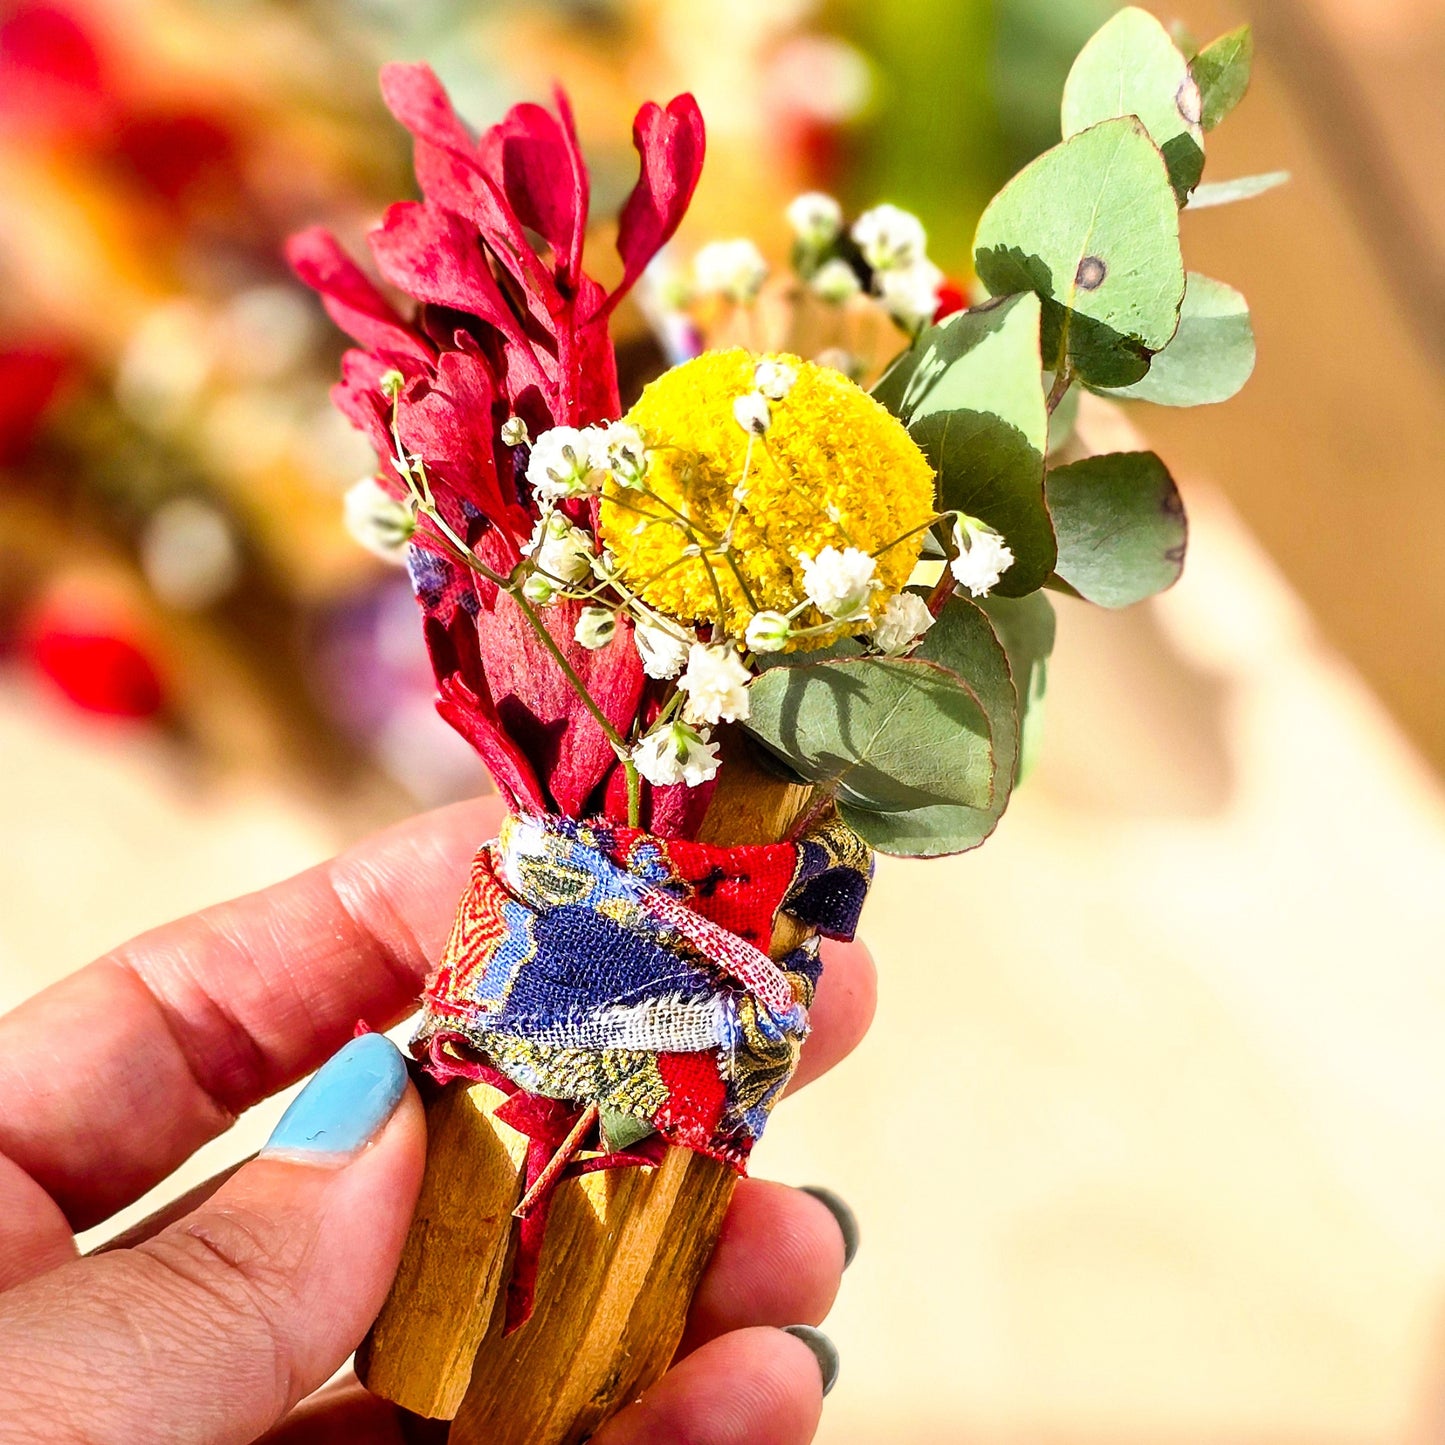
(586, 1121)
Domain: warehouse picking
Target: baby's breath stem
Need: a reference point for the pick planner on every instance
(634, 793)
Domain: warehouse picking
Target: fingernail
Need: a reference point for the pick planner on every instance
(847, 1220)
(345, 1106)
(824, 1351)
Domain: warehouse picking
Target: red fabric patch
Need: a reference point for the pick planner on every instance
(695, 1098)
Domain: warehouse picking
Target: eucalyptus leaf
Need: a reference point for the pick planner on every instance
(1211, 356)
(889, 733)
(1241, 188)
(969, 393)
(1026, 627)
(1132, 67)
(962, 640)
(621, 1131)
(1221, 71)
(1121, 527)
(1092, 227)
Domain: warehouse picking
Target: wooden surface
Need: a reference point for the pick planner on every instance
(623, 1252)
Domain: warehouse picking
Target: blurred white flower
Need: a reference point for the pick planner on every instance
(380, 522)
(904, 619)
(189, 554)
(835, 281)
(910, 293)
(815, 218)
(515, 433)
(735, 269)
(774, 379)
(716, 684)
(890, 237)
(840, 582)
(752, 413)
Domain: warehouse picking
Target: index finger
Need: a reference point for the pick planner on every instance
(116, 1075)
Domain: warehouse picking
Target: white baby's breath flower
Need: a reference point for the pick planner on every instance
(904, 619)
(663, 649)
(537, 588)
(816, 218)
(716, 684)
(910, 293)
(735, 269)
(620, 449)
(841, 360)
(773, 378)
(752, 413)
(835, 281)
(676, 753)
(561, 464)
(515, 433)
(840, 582)
(983, 557)
(768, 632)
(562, 552)
(380, 522)
(890, 237)
(596, 627)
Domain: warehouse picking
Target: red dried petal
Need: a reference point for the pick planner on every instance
(350, 298)
(670, 144)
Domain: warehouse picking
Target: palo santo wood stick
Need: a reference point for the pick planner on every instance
(623, 1254)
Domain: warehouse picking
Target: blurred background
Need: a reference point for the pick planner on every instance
(1161, 1155)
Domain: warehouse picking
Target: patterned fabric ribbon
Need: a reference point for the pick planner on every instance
(596, 967)
(602, 966)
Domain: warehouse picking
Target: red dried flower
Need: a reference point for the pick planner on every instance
(504, 326)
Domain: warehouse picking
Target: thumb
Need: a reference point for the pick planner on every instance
(211, 1330)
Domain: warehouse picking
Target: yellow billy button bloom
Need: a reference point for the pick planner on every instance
(724, 524)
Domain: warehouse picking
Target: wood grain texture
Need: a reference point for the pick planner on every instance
(622, 1258)
(420, 1350)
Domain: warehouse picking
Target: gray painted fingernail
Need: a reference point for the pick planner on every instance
(824, 1351)
(346, 1104)
(847, 1220)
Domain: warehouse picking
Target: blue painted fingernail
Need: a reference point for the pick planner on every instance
(346, 1104)
(824, 1351)
(837, 1206)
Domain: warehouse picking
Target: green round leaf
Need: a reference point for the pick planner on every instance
(1211, 356)
(1121, 527)
(889, 733)
(1004, 664)
(1133, 67)
(1221, 71)
(1026, 627)
(1092, 227)
(969, 393)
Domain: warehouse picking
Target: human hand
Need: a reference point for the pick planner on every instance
(210, 1327)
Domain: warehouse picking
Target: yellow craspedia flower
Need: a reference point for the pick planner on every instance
(833, 469)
